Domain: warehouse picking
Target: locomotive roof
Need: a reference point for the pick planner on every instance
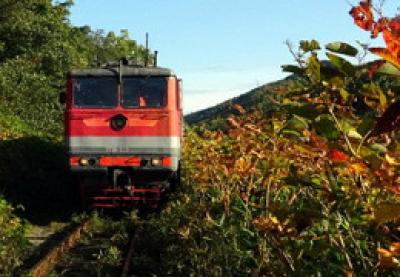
(126, 71)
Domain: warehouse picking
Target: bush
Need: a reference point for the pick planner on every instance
(12, 238)
(311, 189)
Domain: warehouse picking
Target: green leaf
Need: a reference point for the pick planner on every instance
(309, 45)
(341, 64)
(374, 95)
(346, 125)
(292, 69)
(308, 110)
(316, 181)
(367, 124)
(291, 133)
(314, 69)
(338, 82)
(326, 127)
(344, 94)
(349, 129)
(389, 69)
(342, 48)
(378, 147)
(297, 123)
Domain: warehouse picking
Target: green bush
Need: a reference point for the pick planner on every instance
(12, 238)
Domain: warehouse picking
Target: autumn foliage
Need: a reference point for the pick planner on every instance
(307, 186)
(389, 27)
(365, 17)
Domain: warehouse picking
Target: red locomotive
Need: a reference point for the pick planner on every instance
(123, 128)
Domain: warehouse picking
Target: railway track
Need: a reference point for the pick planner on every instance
(57, 245)
(85, 251)
(128, 258)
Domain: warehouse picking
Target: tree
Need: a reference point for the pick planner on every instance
(38, 45)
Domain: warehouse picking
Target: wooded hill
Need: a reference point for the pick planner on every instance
(255, 98)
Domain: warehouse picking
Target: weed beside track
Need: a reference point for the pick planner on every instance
(102, 249)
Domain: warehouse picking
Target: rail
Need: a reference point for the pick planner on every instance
(46, 264)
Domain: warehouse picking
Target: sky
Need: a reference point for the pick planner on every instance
(223, 48)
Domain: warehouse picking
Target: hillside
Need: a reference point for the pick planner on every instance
(251, 99)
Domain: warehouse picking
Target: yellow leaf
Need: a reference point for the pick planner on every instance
(268, 224)
(184, 232)
(358, 168)
(391, 160)
(395, 248)
(239, 108)
(303, 150)
(386, 212)
(274, 220)
(240, 164)
(232, 122)
(277, 125)
(352, 133)
(386, 259)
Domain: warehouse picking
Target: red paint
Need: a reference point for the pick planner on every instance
(141, 122)
(165, 121)
(119, 161)
(118, 198)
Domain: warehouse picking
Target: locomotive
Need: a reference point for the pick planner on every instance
(123, 132)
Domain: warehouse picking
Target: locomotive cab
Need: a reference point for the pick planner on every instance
(123, 125)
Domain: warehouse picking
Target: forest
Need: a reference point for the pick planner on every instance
(304, 180)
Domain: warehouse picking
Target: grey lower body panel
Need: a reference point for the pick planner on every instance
(145, 147)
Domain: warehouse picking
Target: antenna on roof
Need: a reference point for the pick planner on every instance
(155, 58)
(146, 59)
(120, 65)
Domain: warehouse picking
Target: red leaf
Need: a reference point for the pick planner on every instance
(363, 16)
(391, 35)
(375, 67)
(337, 156)
(389, 121)
(386, 55)
(379, 26)
(318, 142)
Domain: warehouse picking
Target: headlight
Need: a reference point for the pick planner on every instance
(87, 161)
(84, 162)
(118, 122)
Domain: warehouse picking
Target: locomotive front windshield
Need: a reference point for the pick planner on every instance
(95, 92)
(136, 92)
(144, 92)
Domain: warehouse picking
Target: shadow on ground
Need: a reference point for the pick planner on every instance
(34, 175)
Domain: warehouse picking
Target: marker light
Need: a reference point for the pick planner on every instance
(156, 161)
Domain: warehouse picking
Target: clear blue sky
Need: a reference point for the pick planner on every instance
(223, 48)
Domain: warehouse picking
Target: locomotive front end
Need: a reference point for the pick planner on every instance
(124, 126)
